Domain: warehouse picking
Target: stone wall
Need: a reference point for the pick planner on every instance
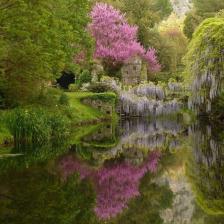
(131, 71)
(102, 106)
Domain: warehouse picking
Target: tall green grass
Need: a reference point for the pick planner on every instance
(37, 126)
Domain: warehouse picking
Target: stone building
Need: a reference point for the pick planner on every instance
(131, 71)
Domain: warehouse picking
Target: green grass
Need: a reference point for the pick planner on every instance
(81, 112)
(5, 135)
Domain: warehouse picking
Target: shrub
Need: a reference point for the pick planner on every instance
(73, 88)
(49, 97)
(84, 77)
(99, 87)
(104, 97)
(63, 100)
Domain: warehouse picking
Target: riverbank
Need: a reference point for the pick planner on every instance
(81, 109)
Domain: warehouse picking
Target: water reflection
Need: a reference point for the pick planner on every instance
(206, 169)
(138, 171)
(133, 139)
(115, 184)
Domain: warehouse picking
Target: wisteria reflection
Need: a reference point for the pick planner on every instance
(137, 137)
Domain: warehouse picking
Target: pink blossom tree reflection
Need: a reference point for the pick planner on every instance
(115, 185)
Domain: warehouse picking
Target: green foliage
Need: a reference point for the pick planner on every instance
(73, 87)
(165, 50)
(29, 126)
(218, 107)
(166, 76)
(162, 7)
(85, 77)
(105, 97)
(39, 37)
(37, 126)
(63, 100)
(48, 97)
(99, 87)
(202, 9)
(208, 6)
(5, 136)
(59, 125)
(172, 45)
(145, 14)
(191, 22)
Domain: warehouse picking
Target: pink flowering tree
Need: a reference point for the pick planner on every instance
(116, 40)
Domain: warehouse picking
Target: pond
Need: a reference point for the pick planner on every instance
(138, 171)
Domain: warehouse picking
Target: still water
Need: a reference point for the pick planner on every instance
(134, 172)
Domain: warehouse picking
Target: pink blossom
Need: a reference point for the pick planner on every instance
(151, 58)
(116, 40)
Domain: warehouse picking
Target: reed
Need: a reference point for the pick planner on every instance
(37, 126)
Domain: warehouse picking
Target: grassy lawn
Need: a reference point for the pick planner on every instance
(82, 112)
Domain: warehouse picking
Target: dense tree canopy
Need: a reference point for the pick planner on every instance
(41, 38)
(208, 6)
(190, 23)
(202, 9)
(145, 14)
